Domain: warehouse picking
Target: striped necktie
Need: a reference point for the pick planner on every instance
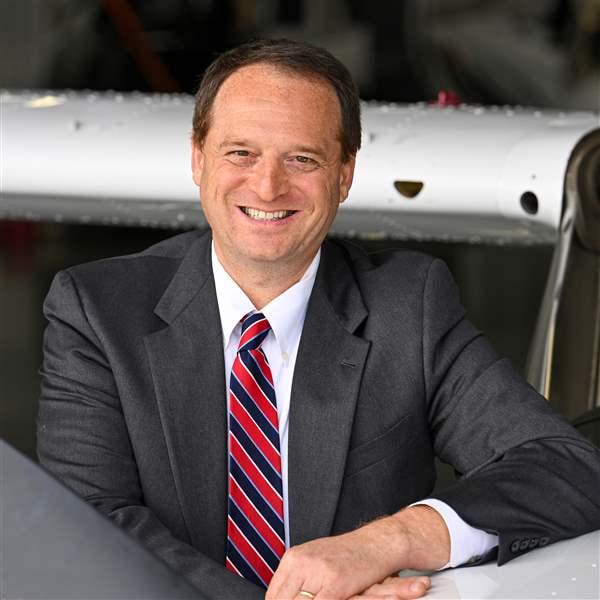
(255, 530)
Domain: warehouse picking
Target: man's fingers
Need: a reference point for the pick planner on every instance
(290, 578)
(404, 588)
(393, 588)
(284, 585)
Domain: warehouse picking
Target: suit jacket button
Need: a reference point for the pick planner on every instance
(544, 541)
(533, 542)
(524, 545)
(514, 547)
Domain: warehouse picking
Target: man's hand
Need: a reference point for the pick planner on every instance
(360, 563)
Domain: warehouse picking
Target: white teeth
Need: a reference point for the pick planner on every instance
(261, 215)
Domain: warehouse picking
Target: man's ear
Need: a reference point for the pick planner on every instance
(197, 162)
(346, 177)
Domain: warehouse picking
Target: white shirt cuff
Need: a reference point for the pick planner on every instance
(467, 544)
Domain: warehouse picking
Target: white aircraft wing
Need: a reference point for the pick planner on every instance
(567, 569)
(455, 173)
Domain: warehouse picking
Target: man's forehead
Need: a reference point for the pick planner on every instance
(269, 98)
(256, 79)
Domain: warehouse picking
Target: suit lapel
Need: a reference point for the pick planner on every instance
(187, 365)
(327, 377)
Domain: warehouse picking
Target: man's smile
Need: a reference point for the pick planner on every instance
(261, 215)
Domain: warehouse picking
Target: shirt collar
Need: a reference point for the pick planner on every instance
(285, 313)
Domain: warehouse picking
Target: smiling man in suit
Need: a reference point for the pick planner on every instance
(262, 407)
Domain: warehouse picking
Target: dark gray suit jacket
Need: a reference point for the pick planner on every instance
(389, 373)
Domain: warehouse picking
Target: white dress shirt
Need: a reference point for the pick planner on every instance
(286, 315)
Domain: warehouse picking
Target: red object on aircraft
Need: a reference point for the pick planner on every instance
(447, 98)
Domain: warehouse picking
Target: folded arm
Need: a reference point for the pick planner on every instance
(526, 475)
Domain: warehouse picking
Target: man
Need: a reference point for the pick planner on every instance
(227, 396)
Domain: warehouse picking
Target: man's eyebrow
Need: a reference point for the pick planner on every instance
(234, 142)
(316, 150)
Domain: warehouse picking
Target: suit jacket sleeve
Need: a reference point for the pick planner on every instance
(83, 440)
(527, 475)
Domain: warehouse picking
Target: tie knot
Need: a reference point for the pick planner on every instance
(255, 328)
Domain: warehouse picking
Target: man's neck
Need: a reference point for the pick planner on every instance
(263, 282)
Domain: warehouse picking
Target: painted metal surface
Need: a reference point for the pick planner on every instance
(424, 172)
(568, 569)
(55, 546)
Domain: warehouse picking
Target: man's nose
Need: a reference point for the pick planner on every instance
(270, 180)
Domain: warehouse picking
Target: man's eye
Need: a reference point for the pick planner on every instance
(303, 163)
(241, 158)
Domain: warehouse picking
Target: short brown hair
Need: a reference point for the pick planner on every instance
(296, 57)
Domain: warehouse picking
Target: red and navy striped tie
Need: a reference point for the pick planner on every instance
(255, 530)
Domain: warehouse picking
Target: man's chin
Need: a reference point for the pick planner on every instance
(275, 258)
(268, 258)
(255, 254)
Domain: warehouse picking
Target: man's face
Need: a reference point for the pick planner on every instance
(270, 171)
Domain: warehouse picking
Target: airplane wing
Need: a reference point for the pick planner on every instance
(453, 173)
(55, 546)
(567, 569)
